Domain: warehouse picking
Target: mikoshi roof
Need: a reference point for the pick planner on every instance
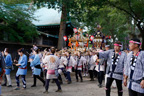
(81, 37)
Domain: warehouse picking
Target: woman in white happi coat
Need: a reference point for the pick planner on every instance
(62, 67)
(43, 65)
(52, 62)
(92, 64)
(85, 67)
(100, 66)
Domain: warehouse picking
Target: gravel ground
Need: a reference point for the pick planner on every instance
(86, 88)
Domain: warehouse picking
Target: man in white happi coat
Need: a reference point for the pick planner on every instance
(78, 68)
(71, 62)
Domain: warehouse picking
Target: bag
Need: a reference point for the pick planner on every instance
(56, 72)
(38, 66)
(12, 67)
(8, 67)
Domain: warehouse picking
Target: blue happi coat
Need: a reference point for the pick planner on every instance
(2, 63)
(138, 74)
(118, 72)
(35, 62)
(8, 61)
(22, 70)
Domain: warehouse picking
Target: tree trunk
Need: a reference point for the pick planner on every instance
(142, 34)
(141, 29)
(62, 27)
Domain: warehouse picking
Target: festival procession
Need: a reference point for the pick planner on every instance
(67, 59)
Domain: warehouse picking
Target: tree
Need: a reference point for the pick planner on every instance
(113, 21)
(16, 23)
(132, 8)
(14, 2)
(62, 5)
(135, 10)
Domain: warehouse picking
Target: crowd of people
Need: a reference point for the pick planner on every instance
(123, 67)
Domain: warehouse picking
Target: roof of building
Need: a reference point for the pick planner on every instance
(47, 16)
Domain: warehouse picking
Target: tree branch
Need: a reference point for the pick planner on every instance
(129, 3)
(122, 10)
(139, 26)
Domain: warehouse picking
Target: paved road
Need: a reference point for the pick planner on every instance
(86, 88)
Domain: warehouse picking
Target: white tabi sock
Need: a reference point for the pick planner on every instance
(9, 79)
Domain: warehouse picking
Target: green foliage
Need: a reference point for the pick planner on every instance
(16, 23)
(114, 16)
(113, 22)
(13, 2)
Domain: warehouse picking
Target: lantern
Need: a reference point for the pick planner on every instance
(65, 38)
(87, 35)
(109, 37)
(75, 30)
(91, 38)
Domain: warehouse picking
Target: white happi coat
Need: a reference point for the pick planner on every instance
(87, 58)
(101, 65)
(63, 63)
(71, 63)
(92, 62)
(43, 65)
(51, 66)
(81, 63)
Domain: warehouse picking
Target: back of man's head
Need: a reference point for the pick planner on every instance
(52, 50)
